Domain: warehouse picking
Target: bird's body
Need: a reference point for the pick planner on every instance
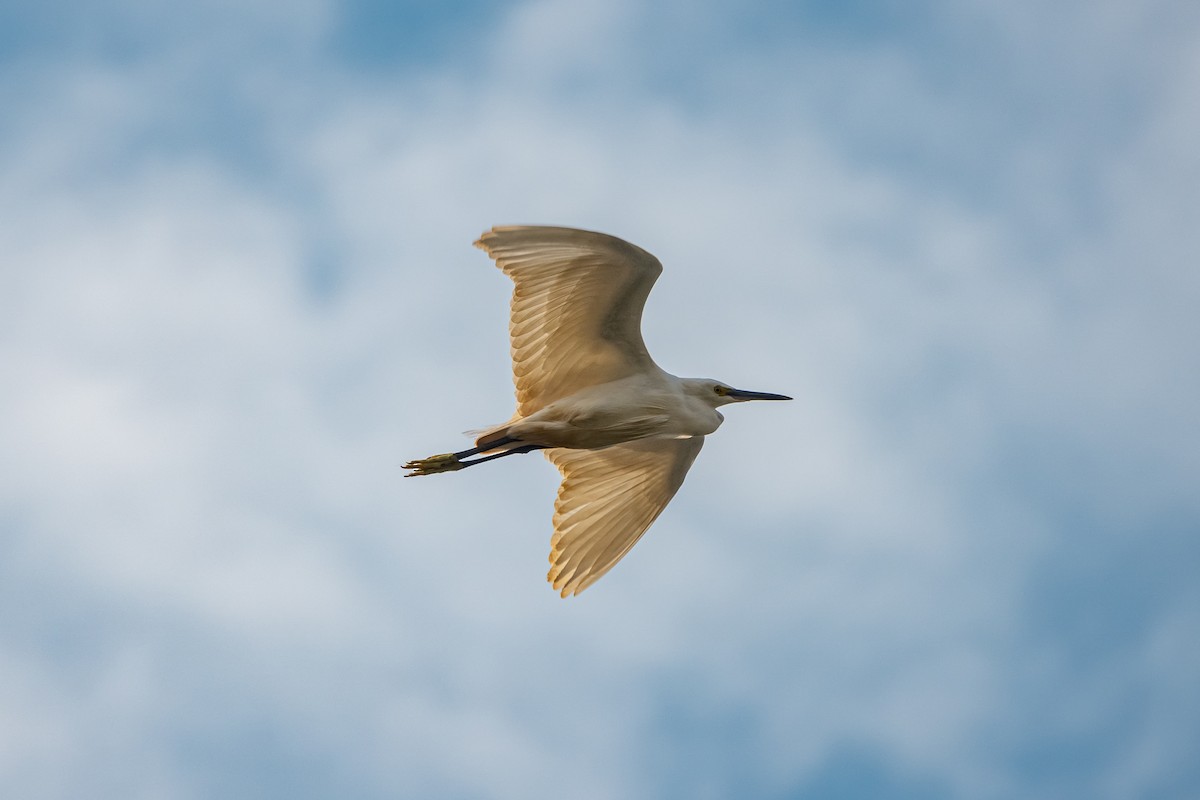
(642, 406)
(622, 431)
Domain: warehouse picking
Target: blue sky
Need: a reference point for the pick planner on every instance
(237, 292)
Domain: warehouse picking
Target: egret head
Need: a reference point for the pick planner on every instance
(716, 393)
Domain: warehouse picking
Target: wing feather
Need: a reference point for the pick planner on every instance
(576, 310)
(607, 500)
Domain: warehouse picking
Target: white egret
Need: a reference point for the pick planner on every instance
(622, 432)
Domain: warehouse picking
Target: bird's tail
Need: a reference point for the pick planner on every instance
(489, 438)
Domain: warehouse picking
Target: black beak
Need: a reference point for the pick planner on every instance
(741, 394)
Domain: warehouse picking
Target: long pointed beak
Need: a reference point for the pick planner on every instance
(742, 394)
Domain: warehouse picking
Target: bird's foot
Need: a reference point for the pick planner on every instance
(446, 462)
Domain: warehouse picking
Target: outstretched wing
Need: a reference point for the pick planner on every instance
(607, 500)
(576, 308)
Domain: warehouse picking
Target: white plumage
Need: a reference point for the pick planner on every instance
(622, 432)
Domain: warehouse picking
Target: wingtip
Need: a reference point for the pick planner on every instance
(484, 238)
(484, 242)
(563, 591)
(563, 584)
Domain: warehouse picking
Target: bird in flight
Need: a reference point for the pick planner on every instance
(622, 431)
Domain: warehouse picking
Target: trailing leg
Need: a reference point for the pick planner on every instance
(452, 462)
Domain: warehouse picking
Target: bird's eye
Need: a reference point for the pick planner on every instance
(720, 390)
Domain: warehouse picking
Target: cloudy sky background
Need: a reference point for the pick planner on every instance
(237, 291)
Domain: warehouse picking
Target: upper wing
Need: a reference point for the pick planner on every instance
(576, 308)
(607, 500)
